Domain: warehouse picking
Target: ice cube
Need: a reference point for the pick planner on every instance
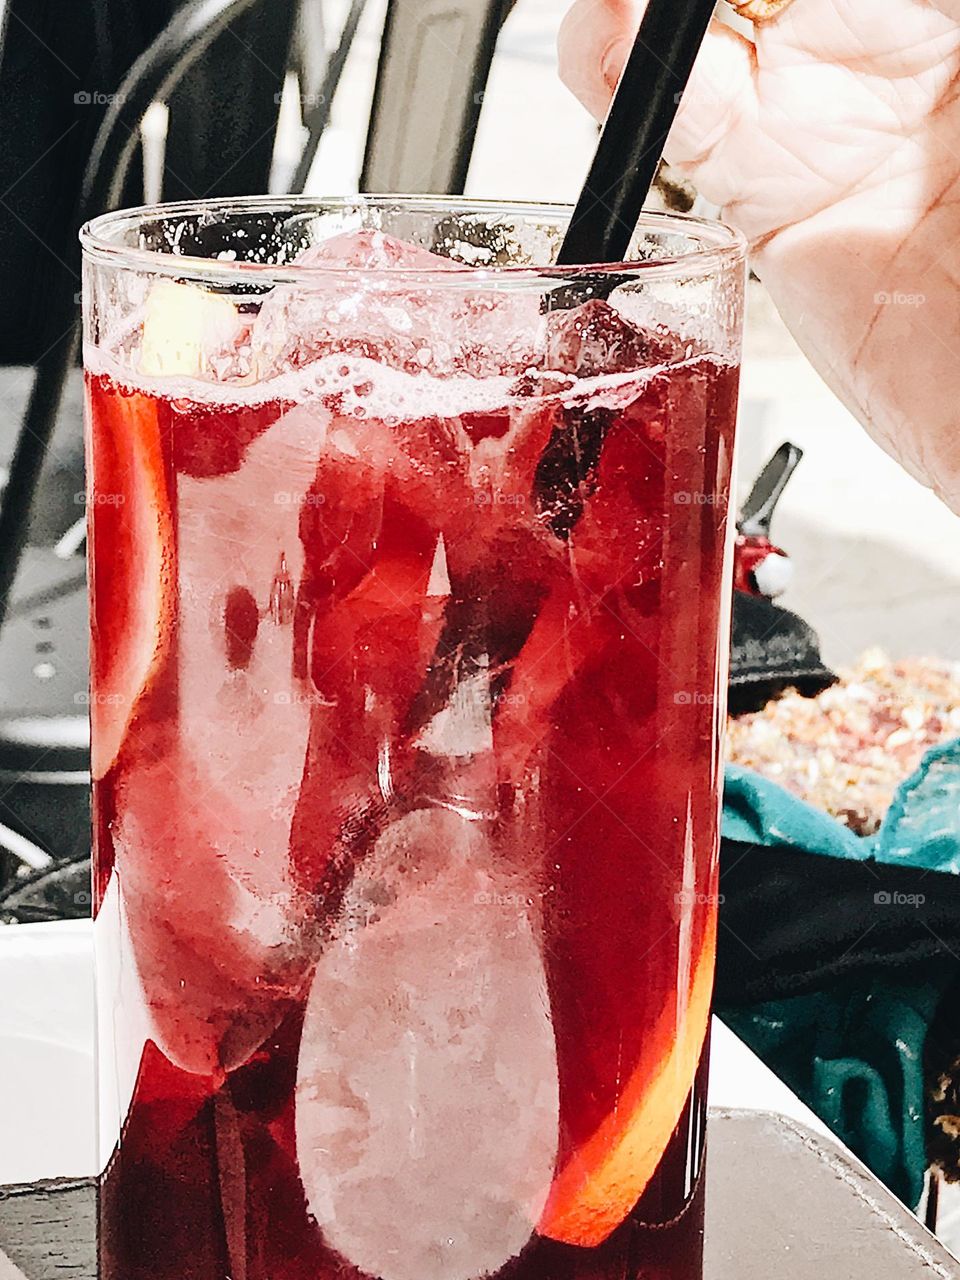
(123, 1018)
(438, 585)
(595, 338)
(237, 532)
(373, 251)
(427, 1099)
(416, 325)
(463, 727)
(203, 822)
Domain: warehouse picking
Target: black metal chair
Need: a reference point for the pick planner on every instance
(44, 742)
(432, 74)
(191, 63)
(430, 88)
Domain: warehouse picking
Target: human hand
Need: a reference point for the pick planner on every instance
(833, 142)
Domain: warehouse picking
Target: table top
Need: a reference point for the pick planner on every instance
(783, 1203)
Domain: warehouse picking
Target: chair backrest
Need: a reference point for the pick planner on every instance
(223, 114)
(434, 66)
(96, 174)
(61, 64)
(56, 74)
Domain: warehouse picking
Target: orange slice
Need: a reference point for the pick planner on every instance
(131, 543)
(130, 521)
(598, 1186)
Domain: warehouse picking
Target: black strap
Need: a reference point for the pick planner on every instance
(792, 921)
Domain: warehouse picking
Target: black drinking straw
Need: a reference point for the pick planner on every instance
(635, 132)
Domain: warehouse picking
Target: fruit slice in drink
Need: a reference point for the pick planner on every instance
(133, 593)
(600, 1183)
(183, 327)
(630, 929)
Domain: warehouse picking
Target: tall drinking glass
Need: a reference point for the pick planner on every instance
(410, 585)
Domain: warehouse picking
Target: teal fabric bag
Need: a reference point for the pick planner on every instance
(854, 1051)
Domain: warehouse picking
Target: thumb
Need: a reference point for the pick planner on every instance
(710, 140)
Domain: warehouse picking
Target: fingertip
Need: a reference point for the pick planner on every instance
(593, 44)
(613, 62)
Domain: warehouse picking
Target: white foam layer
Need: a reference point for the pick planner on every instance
(367, 388)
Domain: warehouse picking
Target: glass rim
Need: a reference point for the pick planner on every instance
(716, 243)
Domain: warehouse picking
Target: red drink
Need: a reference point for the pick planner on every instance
(406, 704)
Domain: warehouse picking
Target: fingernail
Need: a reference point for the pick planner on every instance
(614, 61)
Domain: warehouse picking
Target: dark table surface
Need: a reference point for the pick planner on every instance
(782, 1204)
